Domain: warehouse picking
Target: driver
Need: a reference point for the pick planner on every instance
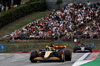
(52, 49)
(82, 44)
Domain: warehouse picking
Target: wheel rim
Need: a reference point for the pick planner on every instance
(63, 57)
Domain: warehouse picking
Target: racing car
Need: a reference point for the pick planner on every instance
(82, 49)
(52, 53)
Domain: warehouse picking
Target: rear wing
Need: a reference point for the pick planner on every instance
(57, 47)
(60, 47)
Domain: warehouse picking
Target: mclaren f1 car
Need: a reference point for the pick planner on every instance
(82, 49)
(52, 53)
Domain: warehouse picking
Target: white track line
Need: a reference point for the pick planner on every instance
(80, 61)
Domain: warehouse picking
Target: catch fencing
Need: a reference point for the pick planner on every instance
(16, 46)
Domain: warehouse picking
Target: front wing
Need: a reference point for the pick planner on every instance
(47, 59)
(79, 51)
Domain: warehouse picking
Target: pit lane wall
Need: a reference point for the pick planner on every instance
(51, 3)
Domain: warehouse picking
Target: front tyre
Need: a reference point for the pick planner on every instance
(32, 56)
(61, 56)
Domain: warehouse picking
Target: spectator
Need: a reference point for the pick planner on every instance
(7, 8)
(2, 8)
(68, 21)
(88, 3)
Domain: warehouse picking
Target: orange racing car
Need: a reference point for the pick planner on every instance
(52, 53)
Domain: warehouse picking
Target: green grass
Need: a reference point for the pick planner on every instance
(22, 22)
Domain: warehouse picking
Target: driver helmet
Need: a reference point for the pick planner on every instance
(52, 49)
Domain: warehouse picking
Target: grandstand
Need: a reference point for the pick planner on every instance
(75, 20)
(69, 21)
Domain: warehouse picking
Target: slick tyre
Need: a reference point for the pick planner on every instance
(61, 56)
(68, 55)
(75, 48)
(32, 56)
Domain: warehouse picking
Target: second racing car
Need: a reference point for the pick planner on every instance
(82, 49)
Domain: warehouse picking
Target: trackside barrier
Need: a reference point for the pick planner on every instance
(24, 46)
(91, 44)
(71, 51)
(95, 50)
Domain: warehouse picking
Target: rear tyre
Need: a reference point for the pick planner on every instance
(68, 55)
(32, 56)
(75, 48)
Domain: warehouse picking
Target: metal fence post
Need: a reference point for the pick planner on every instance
(23, 47)
(17, 48)
(5, 48)
(58, 37)
(2, 51)
(31, 47)
(99, 42)
(85, 38)
(72, 42)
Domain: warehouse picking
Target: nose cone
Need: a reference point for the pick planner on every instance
(47, 53)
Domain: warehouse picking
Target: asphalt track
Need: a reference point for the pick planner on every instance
(22, 59)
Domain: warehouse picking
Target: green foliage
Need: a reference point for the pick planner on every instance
(33, 1)
(59, 2)
(3, 2)
(0, 2)
(20, 11)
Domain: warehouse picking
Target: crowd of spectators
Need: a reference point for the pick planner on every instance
(6, 8)
(67, 22)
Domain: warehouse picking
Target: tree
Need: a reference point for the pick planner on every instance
(58, 3)
(4, 2)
